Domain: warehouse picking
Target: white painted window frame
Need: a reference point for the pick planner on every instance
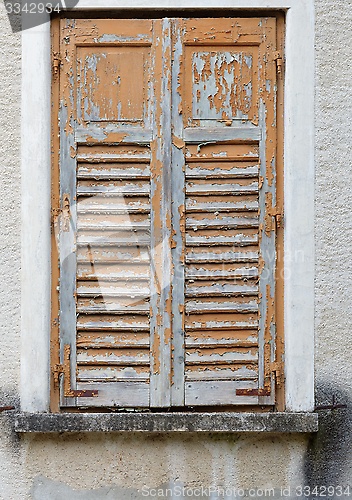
(298, 195)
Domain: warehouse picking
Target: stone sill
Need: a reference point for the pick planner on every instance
(165, 422)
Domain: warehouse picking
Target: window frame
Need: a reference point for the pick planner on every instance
(298, 301)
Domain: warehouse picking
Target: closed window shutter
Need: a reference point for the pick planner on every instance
(167, 201)
(115, 343)
(224, 101)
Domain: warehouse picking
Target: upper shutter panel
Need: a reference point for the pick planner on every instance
(112, 318)
(224, 114)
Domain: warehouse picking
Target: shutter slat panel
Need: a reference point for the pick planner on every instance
(113, 272)
(219, 188)
(112, 357)
(125, 394)
(194, 135)
(228, 204)
(219, 392)
(219, 290)
(93, 132)
(113, 222)
(225, 170)
(221, 307)
(113, 187)
(227, 340)
(221, 221)
(220, 321)
(127, 289)
(113, 171)
(106, 322)
(111, 340)
(212, 239)
(110, 204)
(113, 374)
(93, 307)
(113, 242)
(221, 372)
(132, 255)
(220, 254)
(219, 356)
(206, 305)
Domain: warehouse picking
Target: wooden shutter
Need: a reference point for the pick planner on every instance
(224, 102)
(115, 333)
(167, 202)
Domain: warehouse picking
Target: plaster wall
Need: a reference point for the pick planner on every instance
(113, 466)
(330, 457)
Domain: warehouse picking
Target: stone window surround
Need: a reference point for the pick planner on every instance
(298, 195)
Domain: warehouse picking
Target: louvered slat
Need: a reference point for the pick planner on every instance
(113, 270)
(221, 290)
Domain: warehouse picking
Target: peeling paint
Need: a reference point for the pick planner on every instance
(172, 210)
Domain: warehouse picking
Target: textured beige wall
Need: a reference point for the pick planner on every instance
(112, 466)
(330, 454)
(10, 216)
(94, 467)
(10, 249)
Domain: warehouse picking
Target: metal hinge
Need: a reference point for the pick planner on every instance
(279, 219)
(262, 391)
(56, 64)
(269, 224)
(55, 214)
(64, 212)
(276, 369)
(279, 62)
(253, 392)
(58, 369)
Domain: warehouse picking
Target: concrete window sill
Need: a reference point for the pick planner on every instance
(165, 422)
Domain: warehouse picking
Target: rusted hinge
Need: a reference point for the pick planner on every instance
(55, 213)
(68, 391)
(262, 391)
(279, 62)
(269, 225)
(58, 369)
(279, 219)
(56, 64)
(253, 392)
(276, 369)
